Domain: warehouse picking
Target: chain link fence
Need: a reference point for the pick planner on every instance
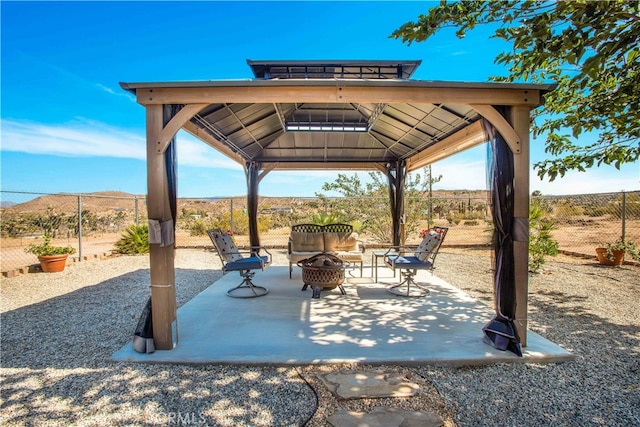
(586, 221)
(92, 223)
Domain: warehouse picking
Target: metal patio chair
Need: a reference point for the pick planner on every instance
(235, 260)
(411, 259)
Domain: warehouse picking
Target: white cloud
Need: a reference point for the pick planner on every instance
(193, 152)
(604, 179)
(120, 93)
(85, 138)
(467, 171)
(460, 174)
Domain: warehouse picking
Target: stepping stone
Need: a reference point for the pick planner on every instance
(366, 384)
(385, 417)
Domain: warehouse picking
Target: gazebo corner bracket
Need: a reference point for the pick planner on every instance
(501, 124)
(175, 124)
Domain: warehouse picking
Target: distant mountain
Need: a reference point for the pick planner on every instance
(96, 202)
(117, 201)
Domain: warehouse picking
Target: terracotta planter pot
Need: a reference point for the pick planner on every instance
(53, 263)
(618, 256)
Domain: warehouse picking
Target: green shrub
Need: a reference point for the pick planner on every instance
(323, 218)
(357, 226)
(134, 240)
(46, 249)
(541, 243)
(625, 245)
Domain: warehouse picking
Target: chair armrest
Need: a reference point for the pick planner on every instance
(289, 251)
(395, 249)
(254, 251)
(404, 249)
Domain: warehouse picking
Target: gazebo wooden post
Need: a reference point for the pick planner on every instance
(251, 170)
(163, 297)
(519, 119)
(396, 176)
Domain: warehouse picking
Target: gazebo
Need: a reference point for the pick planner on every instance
(343, 115)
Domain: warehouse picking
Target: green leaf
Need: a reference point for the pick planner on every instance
(589, 48)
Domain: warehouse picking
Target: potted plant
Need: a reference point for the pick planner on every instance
(614, 253)
(52, 258)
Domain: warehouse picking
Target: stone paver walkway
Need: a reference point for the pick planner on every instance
(358, 385)
(385, 417)
(376, 384)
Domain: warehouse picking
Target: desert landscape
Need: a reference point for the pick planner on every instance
(581, 223)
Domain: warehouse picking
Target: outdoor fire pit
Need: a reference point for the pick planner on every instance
(323, 272)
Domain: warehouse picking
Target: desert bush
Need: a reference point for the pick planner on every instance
(600, 211)
(368, 203)
(566, 209)
(454, 219)
(197, 227)
(240, 222)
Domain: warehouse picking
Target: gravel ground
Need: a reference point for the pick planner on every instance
(59, 331)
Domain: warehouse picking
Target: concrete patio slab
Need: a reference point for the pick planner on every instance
(368, 325)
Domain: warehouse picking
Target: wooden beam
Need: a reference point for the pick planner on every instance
(465, 138)
(439, 95)
(381, 167)
(501, 124)
(176, 123)
(162, 273)
(266, 169)
(337, 94)
(519, 118)
(353, 166)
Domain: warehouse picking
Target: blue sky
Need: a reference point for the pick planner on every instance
(67, 126)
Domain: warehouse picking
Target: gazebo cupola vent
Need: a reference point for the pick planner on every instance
(362, 70)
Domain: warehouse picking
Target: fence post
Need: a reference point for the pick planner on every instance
(231, 216)
(79, 227)
(624, 216)
(135, 199)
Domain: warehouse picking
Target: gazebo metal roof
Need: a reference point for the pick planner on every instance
(302, 132)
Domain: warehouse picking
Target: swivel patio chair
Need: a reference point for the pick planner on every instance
(235, 260)
(410, 260)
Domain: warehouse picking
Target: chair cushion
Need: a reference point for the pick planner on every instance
(251, 263)
(344, 242)
(410, 262)
(226, 246)
(428, 244)
(307, 242)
